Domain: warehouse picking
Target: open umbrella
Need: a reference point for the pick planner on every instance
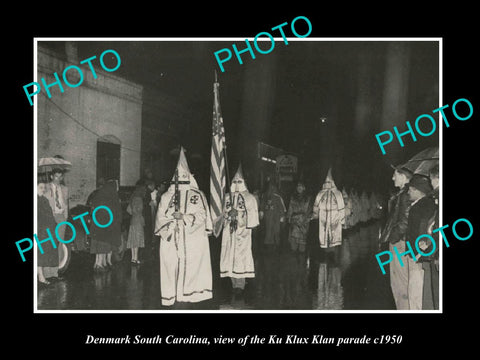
(423, 161)
(48, 164)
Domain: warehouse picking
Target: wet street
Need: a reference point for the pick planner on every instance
(346, 279)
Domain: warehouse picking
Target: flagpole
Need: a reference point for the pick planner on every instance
(227, 173)
(227, 180)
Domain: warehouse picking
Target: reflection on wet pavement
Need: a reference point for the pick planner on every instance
(329, 295)
(345, 278)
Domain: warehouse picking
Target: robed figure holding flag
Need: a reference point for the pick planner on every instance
(183, 223)
(240, 217)
(219, 166)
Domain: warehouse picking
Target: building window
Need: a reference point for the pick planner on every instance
(108, 158)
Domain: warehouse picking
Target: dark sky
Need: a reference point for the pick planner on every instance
(312, 80)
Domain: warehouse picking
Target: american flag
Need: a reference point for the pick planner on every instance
(217, 170)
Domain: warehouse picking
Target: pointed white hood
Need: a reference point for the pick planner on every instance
(238, 181)
(329, 183)
(184, 174)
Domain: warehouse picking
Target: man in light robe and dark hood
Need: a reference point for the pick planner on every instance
(241, 216)
(273, 211)
(185, 269)
(329, 208)
(298, 215)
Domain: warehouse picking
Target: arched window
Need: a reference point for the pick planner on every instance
(108, 158)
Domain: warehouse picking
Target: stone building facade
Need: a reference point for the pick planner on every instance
(96, 126)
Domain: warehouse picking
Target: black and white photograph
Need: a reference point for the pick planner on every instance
(218, 181)
(277, 200)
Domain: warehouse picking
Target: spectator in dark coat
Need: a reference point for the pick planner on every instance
(48, 257)
(106, 239)
(430, 263)
(150, 201)
(394, 234)
(421, 211)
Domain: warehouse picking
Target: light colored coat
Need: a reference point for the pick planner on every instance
(236, 260)
(49, 194)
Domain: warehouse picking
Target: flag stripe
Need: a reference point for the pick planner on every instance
(216, 210)
(217, 172)
(217, 191)
(217, 186)
(217, 153)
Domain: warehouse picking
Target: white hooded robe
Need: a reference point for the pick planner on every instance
(236, 259)
(329, 208)
(185, 269)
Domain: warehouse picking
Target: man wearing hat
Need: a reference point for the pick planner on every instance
(421, 211)
(57, 195)
(393, 233)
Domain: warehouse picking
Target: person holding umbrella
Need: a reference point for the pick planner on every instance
(57, 195)
(51, 171)
(47, 259)
(430, 263)
(423, 292)
(395, 229)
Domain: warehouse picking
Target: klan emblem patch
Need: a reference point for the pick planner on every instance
(241, 204)
(194, 199)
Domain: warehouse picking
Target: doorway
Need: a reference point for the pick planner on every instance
(108, 158)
